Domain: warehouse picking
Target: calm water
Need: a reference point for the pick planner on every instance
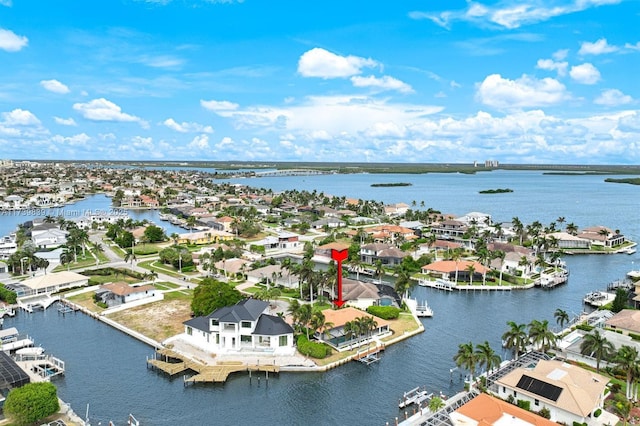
(9, 220)
(107, 368)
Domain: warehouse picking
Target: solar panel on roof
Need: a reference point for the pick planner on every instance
(543, 389)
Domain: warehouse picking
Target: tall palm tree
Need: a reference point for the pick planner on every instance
(596, 346)
(466, 358)
(628, 360)
(561, 316)
(66, 257)
(541, 336)
(456, 256)
(487, 356)
(379, 269)
(471, 270)
(319, 323)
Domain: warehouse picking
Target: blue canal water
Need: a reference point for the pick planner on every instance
(107, 369)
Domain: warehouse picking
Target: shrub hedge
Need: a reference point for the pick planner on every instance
(384, 312)
(312, 349)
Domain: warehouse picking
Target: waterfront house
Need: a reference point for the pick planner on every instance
(626, 321)
(570, 393)
(388, 254)
(480, 220)
(328, 222)
(397, 209)
(48, 235)
(342, 339)
(392, 233)
(117, 293)
(565, 241)
(53, 282)
(602, 236)
(362, 294)
(450, 269)
(486, 410)
(449, 229)
(281, 241)
(245, 326)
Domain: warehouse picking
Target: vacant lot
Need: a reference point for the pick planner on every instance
(158, 320)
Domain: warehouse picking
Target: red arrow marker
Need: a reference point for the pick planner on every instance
(339, 256)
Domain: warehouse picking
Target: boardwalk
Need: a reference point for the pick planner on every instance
(205, 373)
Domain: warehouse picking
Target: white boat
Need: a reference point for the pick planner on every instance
(629, 250)
(36, 350)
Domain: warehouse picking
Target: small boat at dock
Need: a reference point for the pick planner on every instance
(414, 396)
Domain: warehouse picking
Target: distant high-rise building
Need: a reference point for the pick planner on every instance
(491, 163)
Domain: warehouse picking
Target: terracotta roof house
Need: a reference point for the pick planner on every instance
(325, 249)
(204, 237)
(570, 393)
(244, 326)
(601, 235)
(338, 338)
(117, 293)
(447, 269)
(486, 410)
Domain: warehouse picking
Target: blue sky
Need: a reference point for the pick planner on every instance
(380, 81)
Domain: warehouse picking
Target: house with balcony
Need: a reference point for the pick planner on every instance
(246, 326)
(386, 253)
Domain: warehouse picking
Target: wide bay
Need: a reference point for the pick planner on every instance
(106, 368)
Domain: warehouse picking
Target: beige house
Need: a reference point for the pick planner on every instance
(55, 281)
(570, 393)
(627, 321)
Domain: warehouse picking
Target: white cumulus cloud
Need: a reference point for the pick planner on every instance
(65, 121)
(199, 142)
(597, 48)
(613, 97)
(523, 92)
(321, 63)
(19, 117)
(551, 65)
(11, 42)
(54, 86)
(585, 73)
(104, 110)
(217, 106)
(185, 127)
(382, 83)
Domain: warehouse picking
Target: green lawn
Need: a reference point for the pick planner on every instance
(179, 295)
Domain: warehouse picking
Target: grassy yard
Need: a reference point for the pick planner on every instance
(86, 301)
(158, 320)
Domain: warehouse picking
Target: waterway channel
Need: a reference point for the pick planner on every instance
(107, 369)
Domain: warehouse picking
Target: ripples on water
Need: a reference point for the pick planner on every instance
(107, 368)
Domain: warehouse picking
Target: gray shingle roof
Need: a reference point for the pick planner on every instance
(270, 325)
(244, 310)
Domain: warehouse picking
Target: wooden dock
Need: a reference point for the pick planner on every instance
(217, 373)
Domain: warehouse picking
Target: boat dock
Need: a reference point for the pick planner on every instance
(414, 396)
(217, 373)
(370, 355)
(598, 298)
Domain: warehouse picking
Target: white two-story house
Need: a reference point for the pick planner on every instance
(244, 326)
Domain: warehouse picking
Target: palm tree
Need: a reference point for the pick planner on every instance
(151, 275)
(436, 404)
(130, 256)
(628, 360)
(66, 257)
(518, 228)
(379, 270)
(515, 338)
(471, 270)
(466, 358)
(562, 317)
(456, 256)
(524, 262)
(541, 336)
(572, 228)
(319, 323)
(597, 346)
(487, 356)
